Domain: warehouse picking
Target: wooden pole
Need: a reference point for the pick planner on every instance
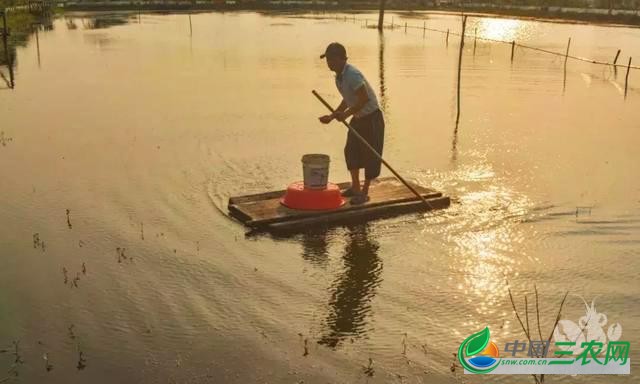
(447, 38)
(513, 47)
(38, 46)
(381, 15)
(374, 152)
(615, 59)
(626, 78)
(464, 27)
(190, 26)
(566, 55)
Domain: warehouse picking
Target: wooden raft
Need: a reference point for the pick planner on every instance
(388, 197)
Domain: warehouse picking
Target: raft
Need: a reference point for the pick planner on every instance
(388, 198)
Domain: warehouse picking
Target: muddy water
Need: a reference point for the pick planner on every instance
(126, 134)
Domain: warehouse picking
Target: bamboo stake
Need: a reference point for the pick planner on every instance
(513, 47)
(447, 38)
(566, 55)
(615, 59)
(626, 78)
(356, 134)
(405, 27)
(190, 26)
(424, 29)
(464, 26)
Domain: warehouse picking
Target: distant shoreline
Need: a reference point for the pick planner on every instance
(627, 18)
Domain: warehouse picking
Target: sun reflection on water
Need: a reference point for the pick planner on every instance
(487, 241)
(502, 29)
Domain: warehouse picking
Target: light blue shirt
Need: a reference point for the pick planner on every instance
(348, 82)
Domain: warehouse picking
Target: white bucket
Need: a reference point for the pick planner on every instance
(315, 168)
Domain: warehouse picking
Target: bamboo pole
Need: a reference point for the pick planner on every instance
(381, 15)
(464, 27)
(566, 55)
(374, 152)
(626, 78)
(38, 45)
(447, 38)
(190, 26)
(513, 48)
(615, 59)
(405, 27)
(424, 29)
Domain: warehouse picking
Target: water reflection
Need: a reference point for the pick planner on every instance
(353, 289)
(383, 89)
(7, 64)
(106, 21)
(501, 29)
(315, 246)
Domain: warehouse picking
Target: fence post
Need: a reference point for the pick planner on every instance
(626, 79)
(566, 55)
(615, 59)
(464, 26)
(513, 47)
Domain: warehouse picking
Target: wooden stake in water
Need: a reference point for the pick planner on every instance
(447, 38)
(566, 55)
(626, 78)
(190, 26)
(513, 48)
(405, 27)
(424, 29)
(615, 59)
(381, 15)
(464, 27)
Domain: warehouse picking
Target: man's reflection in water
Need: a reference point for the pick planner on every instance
(353, 290)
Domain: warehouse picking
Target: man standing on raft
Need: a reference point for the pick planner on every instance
(359, 101)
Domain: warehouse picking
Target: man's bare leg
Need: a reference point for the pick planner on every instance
(355, 180)
(365, 187)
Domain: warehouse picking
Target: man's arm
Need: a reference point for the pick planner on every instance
(363, 99)
(341, 108)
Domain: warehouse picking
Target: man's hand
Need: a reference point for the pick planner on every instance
(341, 115)
(326, 119)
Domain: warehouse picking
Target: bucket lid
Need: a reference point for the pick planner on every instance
(315, 157)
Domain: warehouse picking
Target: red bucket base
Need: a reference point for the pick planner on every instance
(298, 197)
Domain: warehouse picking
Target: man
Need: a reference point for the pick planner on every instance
(358, 100)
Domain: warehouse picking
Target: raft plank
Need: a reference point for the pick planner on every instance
(369, 213)
(387, 196)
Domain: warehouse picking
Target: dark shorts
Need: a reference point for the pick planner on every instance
(357, 155)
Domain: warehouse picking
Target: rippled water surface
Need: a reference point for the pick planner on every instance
(126, 134)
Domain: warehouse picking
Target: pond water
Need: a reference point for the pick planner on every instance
(126, 133)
